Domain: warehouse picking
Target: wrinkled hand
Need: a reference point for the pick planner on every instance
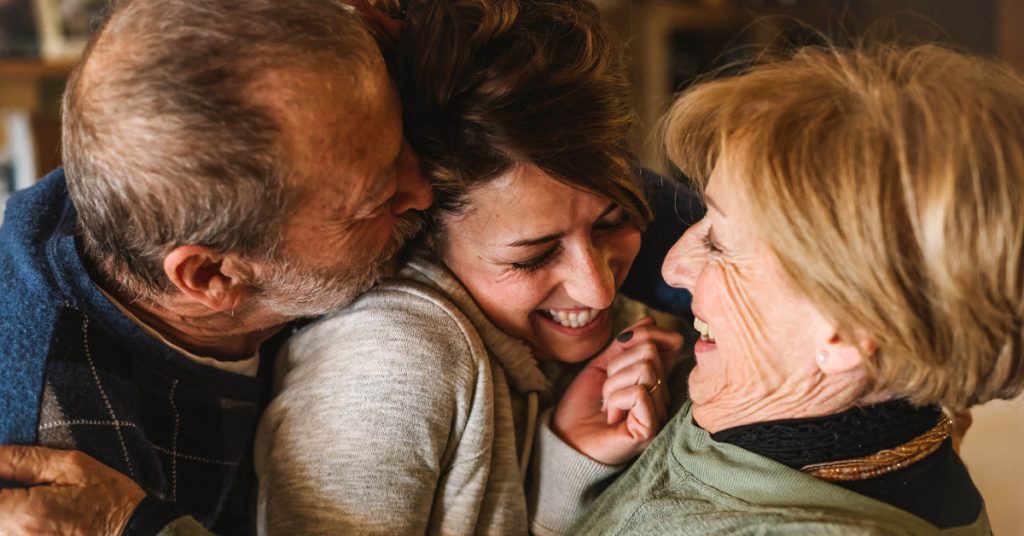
(609, 412)
(70, 493)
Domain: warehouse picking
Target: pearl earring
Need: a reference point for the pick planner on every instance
(821, 357)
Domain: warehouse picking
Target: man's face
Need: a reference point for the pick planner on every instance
(359, 188)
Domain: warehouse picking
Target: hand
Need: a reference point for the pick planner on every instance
(609, 412)
(69, 493)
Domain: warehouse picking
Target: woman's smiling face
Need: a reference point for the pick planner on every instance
(543, 260)
(759, 334)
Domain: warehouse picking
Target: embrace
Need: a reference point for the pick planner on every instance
(317, 267)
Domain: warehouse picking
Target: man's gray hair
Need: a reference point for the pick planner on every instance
(164, 143)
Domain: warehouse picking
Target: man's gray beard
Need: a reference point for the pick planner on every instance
(291, 290)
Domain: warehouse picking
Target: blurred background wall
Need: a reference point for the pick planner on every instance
(669, 42)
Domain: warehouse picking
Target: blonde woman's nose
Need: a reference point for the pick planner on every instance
(685, 260)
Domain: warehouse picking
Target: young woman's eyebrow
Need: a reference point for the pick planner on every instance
(527, 242)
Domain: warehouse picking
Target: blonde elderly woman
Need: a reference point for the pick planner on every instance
(860, 265)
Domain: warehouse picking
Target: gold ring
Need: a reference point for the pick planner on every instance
(654, 387)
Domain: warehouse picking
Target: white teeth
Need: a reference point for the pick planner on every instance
(706, 333)
(574, 319)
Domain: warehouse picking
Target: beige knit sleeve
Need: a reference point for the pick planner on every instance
(563, 482)
(367, 429)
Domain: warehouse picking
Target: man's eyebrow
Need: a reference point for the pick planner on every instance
(711, 203)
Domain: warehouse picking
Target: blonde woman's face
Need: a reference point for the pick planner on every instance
(760, 336)
(543, 260)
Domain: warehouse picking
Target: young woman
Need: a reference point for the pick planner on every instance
(429, 405)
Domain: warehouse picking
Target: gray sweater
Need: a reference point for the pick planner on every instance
(409, 412)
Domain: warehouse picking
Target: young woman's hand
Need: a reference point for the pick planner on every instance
(619, 402)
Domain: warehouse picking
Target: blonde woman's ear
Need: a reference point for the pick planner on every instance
(840, 356)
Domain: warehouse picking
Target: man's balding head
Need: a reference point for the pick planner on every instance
(168, 135)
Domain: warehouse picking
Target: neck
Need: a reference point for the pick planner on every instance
(197, 329)
(828, 395)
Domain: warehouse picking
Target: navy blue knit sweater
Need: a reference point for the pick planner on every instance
(78, 374)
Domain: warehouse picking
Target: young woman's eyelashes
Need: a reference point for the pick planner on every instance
(537, 262)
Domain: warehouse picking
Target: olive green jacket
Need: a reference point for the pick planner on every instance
(688, 483)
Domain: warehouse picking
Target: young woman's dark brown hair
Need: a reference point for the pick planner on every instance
(489, 85)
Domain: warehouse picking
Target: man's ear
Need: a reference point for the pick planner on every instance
(217, 281)
(842, 355)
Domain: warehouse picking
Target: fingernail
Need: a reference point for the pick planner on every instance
(625, 336)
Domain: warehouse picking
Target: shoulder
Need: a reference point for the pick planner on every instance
(401, 365)
(400, 333)
(396, 315)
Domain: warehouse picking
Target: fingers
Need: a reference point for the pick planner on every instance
(645, 351)
(642, 421)
(640, 371)
(619, 343)
(642, 322)
(669, 344)
(39, 465)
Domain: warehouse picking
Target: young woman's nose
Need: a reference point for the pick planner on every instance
(591, 280)
(685, 260)
(414, 192)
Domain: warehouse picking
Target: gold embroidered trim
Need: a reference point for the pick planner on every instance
(883, 461)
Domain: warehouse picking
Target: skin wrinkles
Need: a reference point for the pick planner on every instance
(360, 185)
(762, 365)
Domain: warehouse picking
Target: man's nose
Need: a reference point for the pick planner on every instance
(414, 192)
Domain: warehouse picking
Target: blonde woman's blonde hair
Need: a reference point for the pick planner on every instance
(889, 182)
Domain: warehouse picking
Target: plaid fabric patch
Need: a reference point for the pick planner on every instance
(151, 417)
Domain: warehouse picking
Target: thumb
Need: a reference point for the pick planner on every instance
(33, 465)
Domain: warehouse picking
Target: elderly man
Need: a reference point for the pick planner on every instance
(229, 167)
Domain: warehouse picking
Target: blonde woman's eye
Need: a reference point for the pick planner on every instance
(709, 243)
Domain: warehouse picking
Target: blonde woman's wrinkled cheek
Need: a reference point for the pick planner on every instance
(751, 367)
